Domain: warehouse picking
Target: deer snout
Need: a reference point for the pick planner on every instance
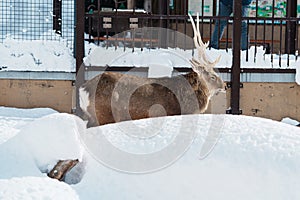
(222, 88)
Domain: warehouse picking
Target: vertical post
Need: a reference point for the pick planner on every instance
(236, 58)
(57, 16)
(130, 4)
(79, 33)
(162, 7)
(79, 48)
(290, 35)
(163, 10)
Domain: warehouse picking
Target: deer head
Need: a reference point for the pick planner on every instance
(202, 65)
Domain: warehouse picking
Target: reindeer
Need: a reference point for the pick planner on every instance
(113, 97)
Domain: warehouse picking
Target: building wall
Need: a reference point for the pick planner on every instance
(37, 93)
(269, 100)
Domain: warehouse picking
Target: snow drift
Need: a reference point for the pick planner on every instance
(254, 158)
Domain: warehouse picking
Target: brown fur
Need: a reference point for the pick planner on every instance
(61, 168)
(115, 97)
(118, 97)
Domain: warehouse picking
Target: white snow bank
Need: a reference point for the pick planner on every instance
(13, 119)
(52, 138)
(37, 55)
(102, 56)
(35, 188)
(25, 113)
(40, 144)
(253, 158)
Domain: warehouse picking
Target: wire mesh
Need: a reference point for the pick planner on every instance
(34, 20)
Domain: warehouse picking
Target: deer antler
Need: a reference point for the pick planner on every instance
(201, 47)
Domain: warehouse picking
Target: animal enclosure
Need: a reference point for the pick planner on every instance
(56, 20)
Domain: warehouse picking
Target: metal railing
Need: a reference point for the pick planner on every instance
(277, 34)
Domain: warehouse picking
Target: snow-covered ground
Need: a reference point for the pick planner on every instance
(251, 158)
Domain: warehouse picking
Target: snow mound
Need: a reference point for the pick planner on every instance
(52, 138)
(251, 158)
(25, 113)
(13, 119)
(254, 158)
(40, 144)
(35, 188)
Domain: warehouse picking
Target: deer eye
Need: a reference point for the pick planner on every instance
(213, 78)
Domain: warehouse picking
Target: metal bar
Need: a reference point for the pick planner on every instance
(57, 16)
(162, 10)
(186, 69)
(272, 34)
(248, 45)
(297, 39)
(236, 58)
(290, 35)
(227, 36)
(280, 43)
(79, 33)
(255, 36)
(182, 17)
(116, 69)
(79, 49)
(264, 36)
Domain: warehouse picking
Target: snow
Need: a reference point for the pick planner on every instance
(290, 121)
(180, 58)
(297, 77)
(56, 56)
(39, 55)
(166, 59)
(48, 129)
(179, 157)
(35, 188)
(247, 158)
(12, 120)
